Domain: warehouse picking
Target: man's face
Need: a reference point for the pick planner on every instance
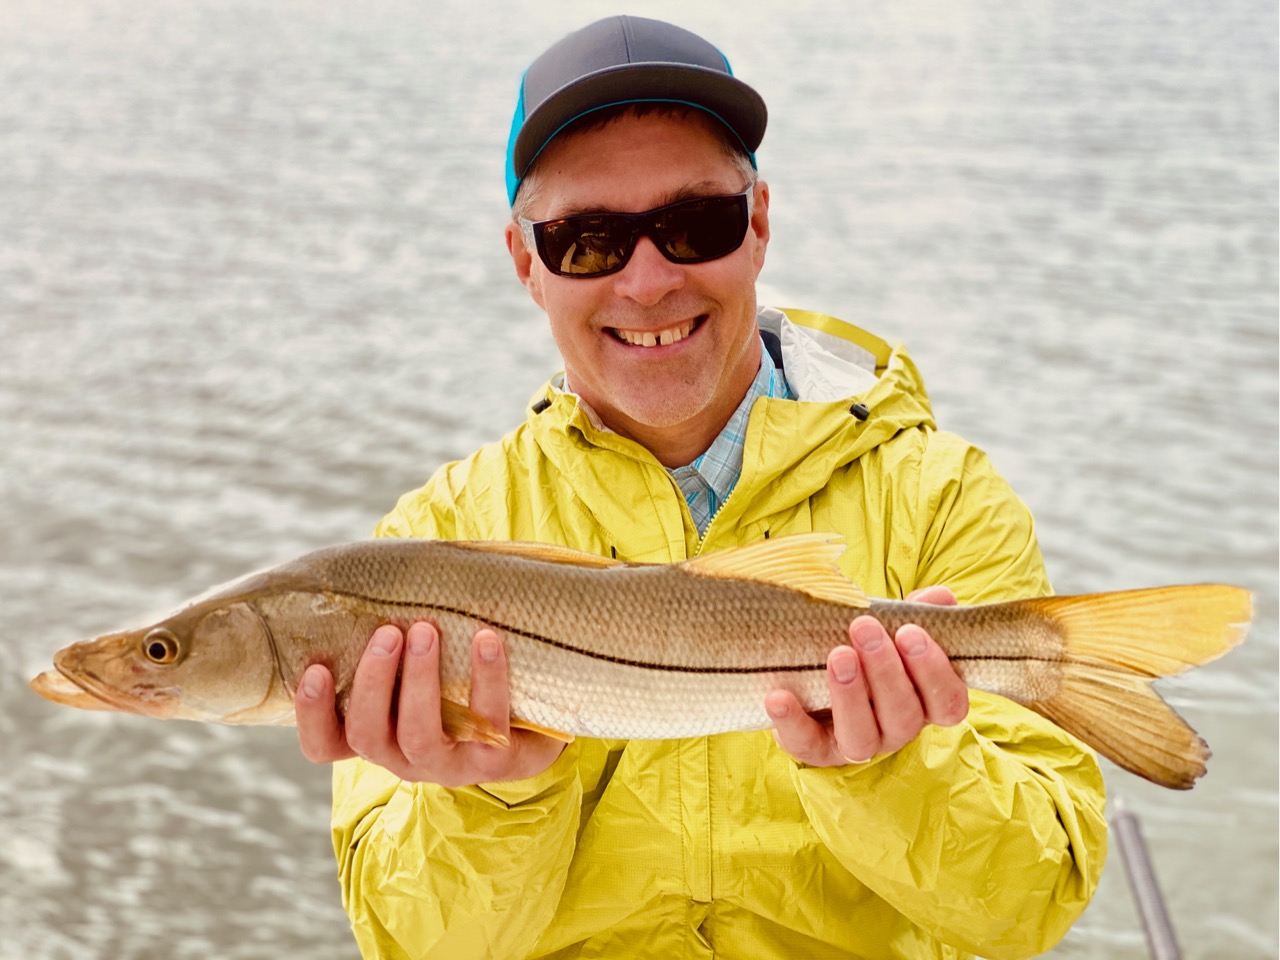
(688, 387)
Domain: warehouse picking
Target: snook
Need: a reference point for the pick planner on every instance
(601, 648)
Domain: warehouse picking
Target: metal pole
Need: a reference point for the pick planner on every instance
(1162, 943)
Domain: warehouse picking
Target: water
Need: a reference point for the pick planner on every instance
(253, 286)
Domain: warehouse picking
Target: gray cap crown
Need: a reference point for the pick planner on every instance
(626, 60)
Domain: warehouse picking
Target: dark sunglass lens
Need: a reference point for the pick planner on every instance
(583, 245)
(704, 229)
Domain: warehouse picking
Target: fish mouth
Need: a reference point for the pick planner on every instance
(61, 689)
(145, 699)
(664, 337)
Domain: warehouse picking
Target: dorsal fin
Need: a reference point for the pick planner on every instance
(546, 552)
(801, 561)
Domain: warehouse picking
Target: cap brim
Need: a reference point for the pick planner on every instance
(727, 98)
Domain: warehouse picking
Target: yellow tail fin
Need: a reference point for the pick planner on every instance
(1116, 644)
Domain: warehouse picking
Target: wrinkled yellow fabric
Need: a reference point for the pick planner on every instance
(985, 838)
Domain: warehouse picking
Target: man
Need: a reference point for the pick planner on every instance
(912, 822)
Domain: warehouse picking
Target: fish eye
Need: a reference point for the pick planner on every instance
(160, 646)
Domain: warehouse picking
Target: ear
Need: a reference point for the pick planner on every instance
(522, 257)
(760, 224)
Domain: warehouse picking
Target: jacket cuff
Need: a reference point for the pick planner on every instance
(515, 792)
(849, 768)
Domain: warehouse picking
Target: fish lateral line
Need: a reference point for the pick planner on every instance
(591, 654)
(651, 665)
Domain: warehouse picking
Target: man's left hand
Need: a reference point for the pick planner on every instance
(884, 691)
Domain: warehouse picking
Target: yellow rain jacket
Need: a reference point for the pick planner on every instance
(984, 838)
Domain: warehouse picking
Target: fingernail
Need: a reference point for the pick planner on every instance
(844, 666)
(777, 710)
(868, 635)
(489, 649)
(310, 685)
(385, 642)
(911, 641)
(420, 642)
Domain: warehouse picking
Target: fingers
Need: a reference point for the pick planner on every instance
(884, 691)
(419, 732)
(394, 717)
(410, 740)
(855, 729)
(370, 725)
(400, 727)
(490, 696)
(941, 596)
(805, 738)
(943, 696)
(898, 711)
(911, 682)
(320, 734)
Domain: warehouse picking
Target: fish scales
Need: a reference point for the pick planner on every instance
(1010, 649)
(630, 651)
(655, 614)
(648, 650)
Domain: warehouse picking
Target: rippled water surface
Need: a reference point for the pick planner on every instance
(253, 286)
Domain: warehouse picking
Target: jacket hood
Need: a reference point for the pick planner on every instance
(855, 393)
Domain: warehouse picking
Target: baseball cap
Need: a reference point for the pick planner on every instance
(626, 60)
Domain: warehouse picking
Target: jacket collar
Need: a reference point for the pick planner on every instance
(855, 393)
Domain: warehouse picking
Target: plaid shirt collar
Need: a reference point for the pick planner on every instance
(707, 482)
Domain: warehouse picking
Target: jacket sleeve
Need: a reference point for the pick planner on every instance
(428, 871)
(989, 835)
(471, 872)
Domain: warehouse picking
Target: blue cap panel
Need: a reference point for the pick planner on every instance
(517, 121)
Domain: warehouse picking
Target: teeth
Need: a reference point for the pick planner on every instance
(647, 339)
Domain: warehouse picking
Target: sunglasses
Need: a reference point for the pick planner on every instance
(598, 244)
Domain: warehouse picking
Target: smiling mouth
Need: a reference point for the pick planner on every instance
(658, 338)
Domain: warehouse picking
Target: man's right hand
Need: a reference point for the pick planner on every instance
(407, 737)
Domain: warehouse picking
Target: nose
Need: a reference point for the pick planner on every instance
(648, 275)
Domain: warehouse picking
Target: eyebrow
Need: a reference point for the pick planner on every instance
(688, 191)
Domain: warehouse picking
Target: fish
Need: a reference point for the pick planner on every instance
(598, 647)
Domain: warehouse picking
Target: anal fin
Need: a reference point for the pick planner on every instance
(460, 722)
(545, 731)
